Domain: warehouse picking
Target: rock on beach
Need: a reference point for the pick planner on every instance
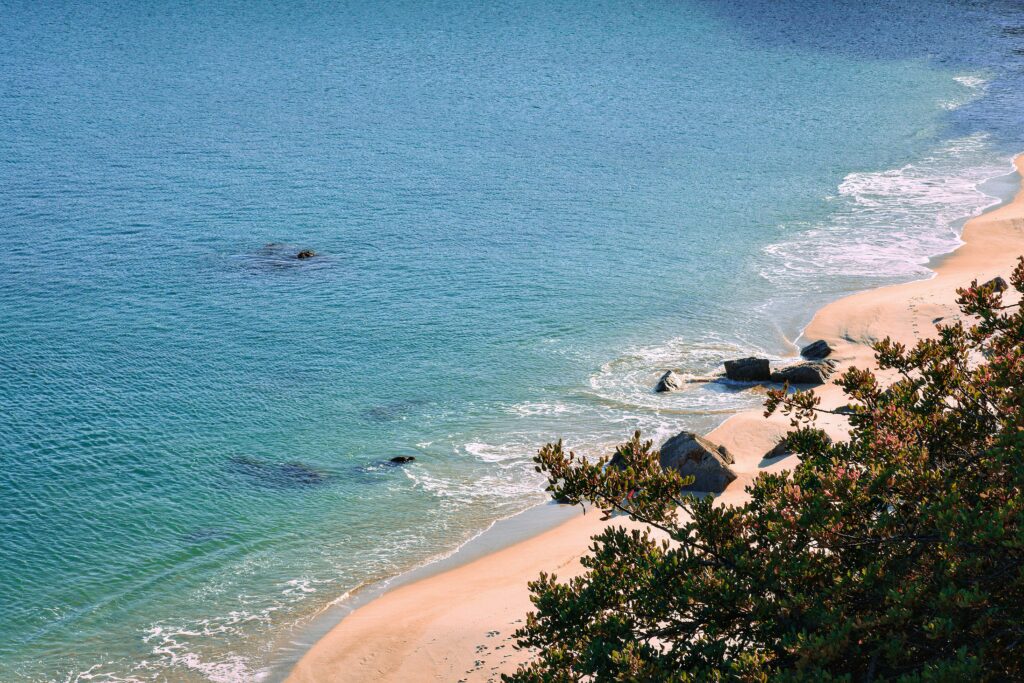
(817, 350)
(748, 369)
(809, 372)
(693, 455)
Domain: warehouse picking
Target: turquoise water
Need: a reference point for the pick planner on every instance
(524, 212)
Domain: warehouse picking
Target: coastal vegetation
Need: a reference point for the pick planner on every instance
(893, 554)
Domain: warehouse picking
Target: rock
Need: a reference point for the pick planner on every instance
(277, 475)
(401, 459)
(816, 350)
(748, 370)
(299, 474)
(670, 381)
(695, 456)
(810, 372)
(997, 283)
(782, 448)
(305, 253)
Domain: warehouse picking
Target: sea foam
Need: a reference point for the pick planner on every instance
(886, 225)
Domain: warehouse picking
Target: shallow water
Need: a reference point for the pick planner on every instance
(524, 212)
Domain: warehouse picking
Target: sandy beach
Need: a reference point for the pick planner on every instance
(457, 625)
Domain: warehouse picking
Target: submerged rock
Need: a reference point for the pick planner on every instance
(299, 474)
(398, 410)
(693, 455)
(810, 372)
(817, 350)
(670, 381)
(277, 475)
(402, 459)
(276, 256)
(748, 369)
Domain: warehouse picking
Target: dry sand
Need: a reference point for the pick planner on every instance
(457, 625)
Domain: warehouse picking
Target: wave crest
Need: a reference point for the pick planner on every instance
(886, 225)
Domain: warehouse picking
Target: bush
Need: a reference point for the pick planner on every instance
(895, 555)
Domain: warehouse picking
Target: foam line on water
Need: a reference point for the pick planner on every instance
(888, 224)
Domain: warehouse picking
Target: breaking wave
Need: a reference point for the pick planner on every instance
(886, 225)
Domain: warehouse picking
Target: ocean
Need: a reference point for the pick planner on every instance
(523, 213)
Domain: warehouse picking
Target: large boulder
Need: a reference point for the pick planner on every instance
(670, 381)
(817, 350)
(748, 370)
(810, 372)
(997, 283)
(695, 456)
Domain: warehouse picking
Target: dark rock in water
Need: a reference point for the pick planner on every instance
(399, 410)
(299, 474)
(273, 256)
(277, 475)
(810, 372)
(305, 253)
(400, 459)
(693, 455)
(670, 381)
(748, 369)
(817, 350)
(997, 283)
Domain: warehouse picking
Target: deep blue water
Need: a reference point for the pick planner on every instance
(524, 212)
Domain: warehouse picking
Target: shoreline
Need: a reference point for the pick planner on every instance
(452, 619)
